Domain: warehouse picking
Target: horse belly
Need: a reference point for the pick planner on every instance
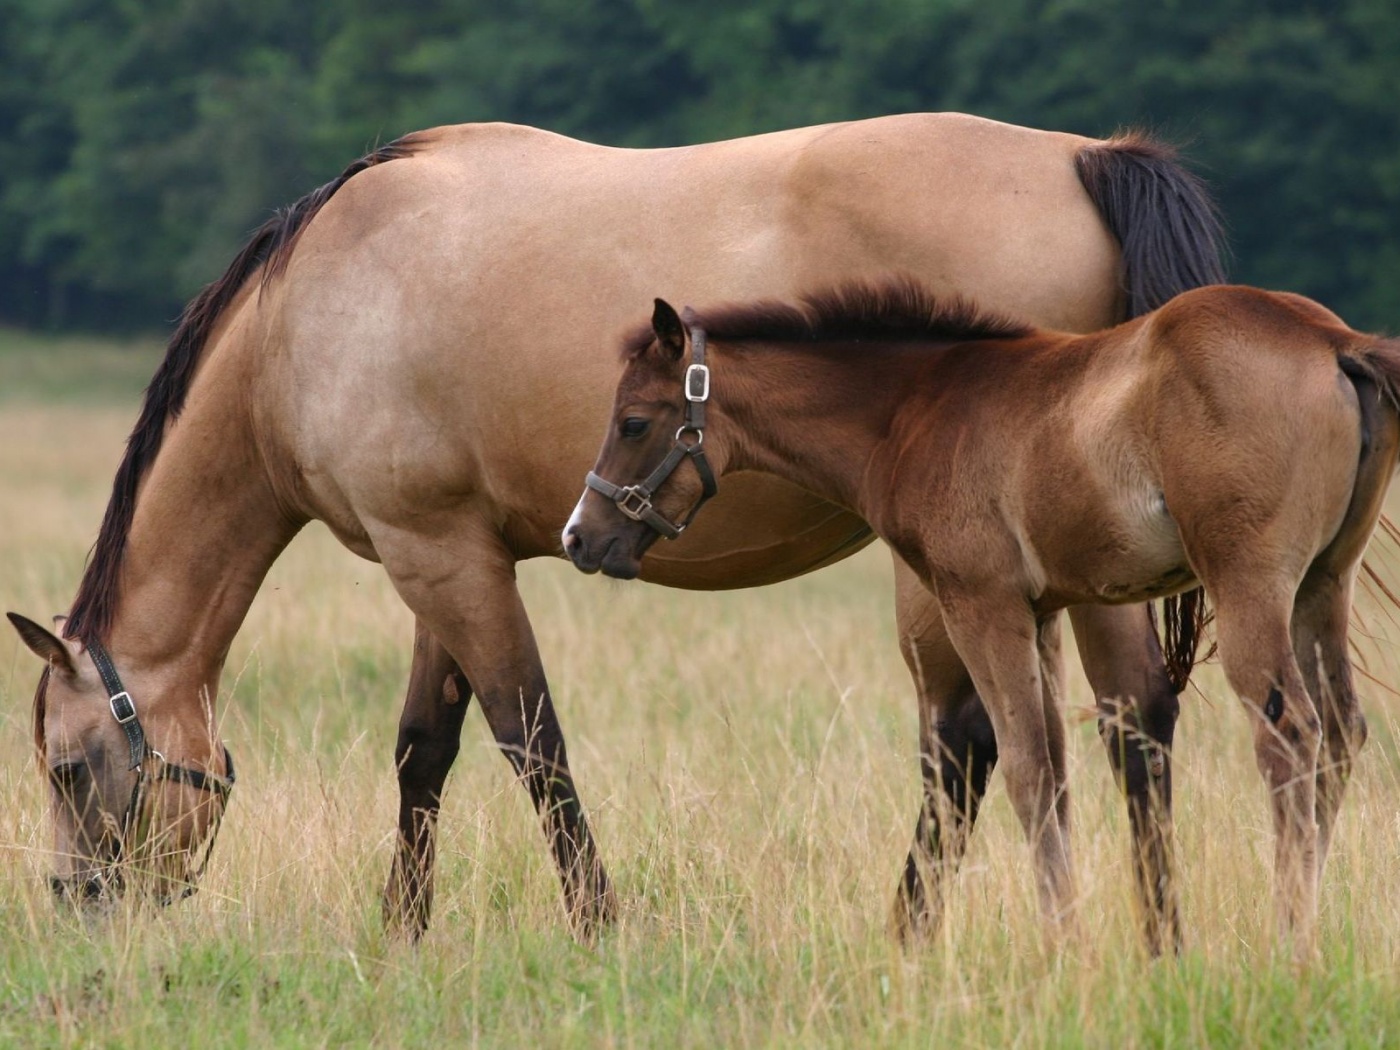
(1141, 556)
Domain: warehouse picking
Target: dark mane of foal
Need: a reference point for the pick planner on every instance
(896, 309)
(269, 249)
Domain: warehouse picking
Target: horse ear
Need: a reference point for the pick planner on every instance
(43, 644)
(670, 333)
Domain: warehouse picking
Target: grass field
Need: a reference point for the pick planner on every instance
(753, 785)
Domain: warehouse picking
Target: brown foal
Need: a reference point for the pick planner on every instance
(1234, 438)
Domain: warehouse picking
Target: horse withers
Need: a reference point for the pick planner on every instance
(1236, 439)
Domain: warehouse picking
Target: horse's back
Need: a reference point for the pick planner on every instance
(474, 293)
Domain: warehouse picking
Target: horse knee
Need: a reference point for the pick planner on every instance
(423, 755)
(1357, 732)
(1287, 741)
(1137, 734)
(967, 751)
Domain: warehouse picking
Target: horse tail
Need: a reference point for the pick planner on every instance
(1378, 360)
(1171, 240)
(1374, 369)
(267, 250)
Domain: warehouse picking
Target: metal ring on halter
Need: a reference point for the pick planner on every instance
(699, 434)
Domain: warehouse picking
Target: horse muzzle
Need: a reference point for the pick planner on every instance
(615, 555)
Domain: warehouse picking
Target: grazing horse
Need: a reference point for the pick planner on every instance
(410, 354)
(1234, 438)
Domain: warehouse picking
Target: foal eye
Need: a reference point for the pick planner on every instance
(634, 427)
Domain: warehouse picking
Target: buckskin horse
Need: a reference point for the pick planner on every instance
(410, 353)
(1234, 438)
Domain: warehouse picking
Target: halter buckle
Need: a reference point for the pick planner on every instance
(123, 710)
(633, 502)
(697, 383)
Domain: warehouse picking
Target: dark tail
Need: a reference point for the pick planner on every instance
(1171, 240)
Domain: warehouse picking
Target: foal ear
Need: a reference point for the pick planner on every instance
(43, 644)
(670, 333)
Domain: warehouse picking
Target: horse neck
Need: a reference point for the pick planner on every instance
(813, 415)
(206, 529)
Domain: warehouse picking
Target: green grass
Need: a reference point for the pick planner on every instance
(66, 370)
(752, 784)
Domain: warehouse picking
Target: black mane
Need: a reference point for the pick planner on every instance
(895, 309)
(269, 249)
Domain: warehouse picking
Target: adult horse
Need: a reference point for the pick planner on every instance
(1235, 439)
(415, 354)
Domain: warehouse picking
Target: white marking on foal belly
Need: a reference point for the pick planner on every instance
(1158, 560)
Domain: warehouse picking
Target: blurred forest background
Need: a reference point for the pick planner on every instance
(142, 140)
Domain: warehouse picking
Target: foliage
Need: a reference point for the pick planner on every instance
(140, 142)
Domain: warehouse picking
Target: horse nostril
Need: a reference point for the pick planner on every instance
(571, 540)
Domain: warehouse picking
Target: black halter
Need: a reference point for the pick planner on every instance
(635, 500)
(151, 766)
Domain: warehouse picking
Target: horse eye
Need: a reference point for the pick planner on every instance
(66, 776)
(634, 427)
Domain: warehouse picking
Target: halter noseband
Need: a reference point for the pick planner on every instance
(141, 753)
(635, 500)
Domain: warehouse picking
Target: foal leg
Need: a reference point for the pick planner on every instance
(1256, 649)
(1320, 617)
(473, 608)
(999, 640)
(430, 731)
(1052, 688)
(1322, 607)
(1137, 719)
(957, 751)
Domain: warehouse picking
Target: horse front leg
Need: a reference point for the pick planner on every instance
(430, 731)
(1002, 645)
(957, 752)
(472, 607)
(1138, 710)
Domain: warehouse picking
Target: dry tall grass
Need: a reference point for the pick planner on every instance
(748, 760)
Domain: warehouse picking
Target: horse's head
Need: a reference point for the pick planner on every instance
(640, 488)
(138, 779)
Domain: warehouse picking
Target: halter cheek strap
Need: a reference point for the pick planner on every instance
(123, 709)
(635, 500)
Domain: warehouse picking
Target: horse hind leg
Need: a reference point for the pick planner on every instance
(1323, 605)
(1138, 710)
(430, 731)
(1256, 650)
(1320, 645)
(957, 752)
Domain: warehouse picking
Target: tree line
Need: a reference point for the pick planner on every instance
(141, 140)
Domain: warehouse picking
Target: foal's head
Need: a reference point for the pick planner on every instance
(115, 825)
(657, 465)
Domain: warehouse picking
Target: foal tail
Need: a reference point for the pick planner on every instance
(1379, 361)
(1171, 241)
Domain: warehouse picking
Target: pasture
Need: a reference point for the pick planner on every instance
(748, 760)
